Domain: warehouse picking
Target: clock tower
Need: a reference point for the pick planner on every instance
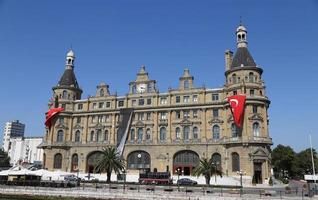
(142, 84)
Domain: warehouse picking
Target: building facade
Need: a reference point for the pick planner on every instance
(11, 130)
(167, 131)
(25, 150)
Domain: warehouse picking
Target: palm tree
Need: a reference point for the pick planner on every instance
(110, 160)
(206, 168)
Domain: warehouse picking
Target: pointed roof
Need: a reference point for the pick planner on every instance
(243, 58)
(142, 74)
(68, 79)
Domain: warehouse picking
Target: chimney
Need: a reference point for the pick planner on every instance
(228, 59)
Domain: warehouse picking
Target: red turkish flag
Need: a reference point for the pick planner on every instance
(50, 114)
(237, 103)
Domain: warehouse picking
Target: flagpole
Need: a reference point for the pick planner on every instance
(312, 160)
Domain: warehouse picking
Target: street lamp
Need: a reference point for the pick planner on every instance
(241, 173)
(178, 171)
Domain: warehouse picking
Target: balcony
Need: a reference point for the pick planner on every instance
(266, 140)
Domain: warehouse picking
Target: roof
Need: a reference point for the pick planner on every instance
(242, 57)
(68, 79)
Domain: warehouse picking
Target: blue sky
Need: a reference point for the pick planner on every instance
(112, 39)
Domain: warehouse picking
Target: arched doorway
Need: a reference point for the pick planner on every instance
(216, 161)
(74, 167)
(92, 160)
(138, 160)
(184, 162)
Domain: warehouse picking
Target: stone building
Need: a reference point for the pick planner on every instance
(167, 131)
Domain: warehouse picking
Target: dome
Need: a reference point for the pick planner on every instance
(241, 28)
(70, 54)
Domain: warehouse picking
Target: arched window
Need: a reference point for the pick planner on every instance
(134, 90)
(77, 136)
(186, 84)
(106, 135)
(234, 130)
(251, 77)
(64, 96)
(256, 129)
(234, 78)
(216, 161)
(186, 131)
(101, 92)
(138, 160)
(74, 163)
(235, 162)
(140, 133)
(57, 161)
(178, 132)
(195, 133)
(60, 136)
(132, 134)
(162, 133)
(216, 132)
(98, 134)
(148, 134)
(92, 136)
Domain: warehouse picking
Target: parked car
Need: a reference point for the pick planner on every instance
(186, 181)
(71, 177)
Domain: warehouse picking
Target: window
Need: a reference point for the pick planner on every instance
(251, 92)
(195, 98)
(132, 134)
(92, 136)
(162, 136)
(186, 131)
(61, 120)
(254, 109)
(178, 116)
(216, 161)
(64, 95)
(101, 105)
(74, 163)
(178, 133)
(148, 116)
(186, 114)
(63, 106)
(140, 133)
(149, 88)
(98, 135)
(60, 136)
(141, 102)
(106, 135)
(195, 133)
(234, 130)
(216, 132)
(57, 161)
(148, 101)
(163, 100)
(120, 103)
(195, 113)
(235, 162)
(94, 119)
(177, 99)
(94, 105)
(79, 106)
(140, 116)
(107, 118)
(186, 99)
(251, 77)
(148, 134)
(163, 115)
(234, 92)
(134, 90)
(256, 129)
(133, 102)
(215, 112)
(101, 92)
(78, 120)
(215, 97)
(186, 84)
(77, 136)
(107, 104)
(234, 78)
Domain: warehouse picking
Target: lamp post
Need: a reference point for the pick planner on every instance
(124, 173)
(241, 173)
(178, 171)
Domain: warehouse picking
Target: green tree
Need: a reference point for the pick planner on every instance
(110, 161)
(207, 169)
(4, 159)
(302, 163)
(282, 161)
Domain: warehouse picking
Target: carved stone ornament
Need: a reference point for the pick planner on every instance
(161, 157)
(215, 121)
(139, 124)
(186, 122)
(256, 117)
(61, 126)
(98, 126)
(77, 126)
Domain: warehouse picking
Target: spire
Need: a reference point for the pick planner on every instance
(142, 74)
(68, 78)
(241, 35)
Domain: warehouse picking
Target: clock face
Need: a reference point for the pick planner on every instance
(141, 88)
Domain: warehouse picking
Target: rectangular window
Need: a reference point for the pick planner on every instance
(163, 100)
(133, 102)
(79, 106)
(254, 109)
(148, 116)
(252, 92)
(61, 120)
(94, 119)
(140, 116)
(163, 115)
(178, 116)
(215, 97)
(148, 101)
(195, 113)
(177, 99)
(141, 102)
(234, 92)
(195, 98)
(78, 120)
(186, 99)
(215, 112)
(94, 105)
(120, 103)
(186, 114)
(101, 105)
(107, 104)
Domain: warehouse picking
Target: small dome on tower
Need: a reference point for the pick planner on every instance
(241, 28)
(70, 54)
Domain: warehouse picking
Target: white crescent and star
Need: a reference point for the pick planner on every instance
(234, 101)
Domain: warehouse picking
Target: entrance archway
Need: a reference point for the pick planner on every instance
(184, 162)
(138, 160)
(92, 160)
